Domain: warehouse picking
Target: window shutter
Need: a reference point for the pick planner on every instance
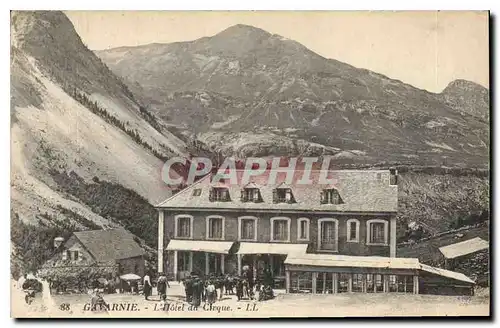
(211, 195)
(242, 195)
(334, 197)
(225, 195)
(322, 197)
(64, 255)
(275, 196)
(258, 197)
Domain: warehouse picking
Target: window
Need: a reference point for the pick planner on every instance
(300, 282)
(219, 195)
(251, 195)
(278, 266)
(197, 192)
(184, 260)
(70, 255)
(394, 177)
(377, 232)
(405, 284)
(331, 196)
(328, 234)
(280, 229)
(343, 283)
(303, 231)
(283, 195)
(357, 282)
(247, 229)
(324, 283)
(183, 226)
(370, 284)
(352, 230)
(393, 287)
(379, 283)
(215, 227)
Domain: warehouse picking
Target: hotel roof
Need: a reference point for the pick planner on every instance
(362, 191)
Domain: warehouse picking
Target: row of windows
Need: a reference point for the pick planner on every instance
(377, 230)
(350, 282)
(71, 255)
(280, 195)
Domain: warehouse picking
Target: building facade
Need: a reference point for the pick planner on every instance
(355, 216)
(218, 226)
(115, 251)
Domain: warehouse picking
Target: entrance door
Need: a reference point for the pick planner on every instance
(214, 264)
(183, 264)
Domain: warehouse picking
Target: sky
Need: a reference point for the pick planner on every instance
(427, 49)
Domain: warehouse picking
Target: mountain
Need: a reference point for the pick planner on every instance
(85, 153)
(468, 97)
(248, 92)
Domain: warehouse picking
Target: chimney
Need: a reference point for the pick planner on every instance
(394, 176)
(58, 241)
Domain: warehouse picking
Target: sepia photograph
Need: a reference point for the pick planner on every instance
(250, 164)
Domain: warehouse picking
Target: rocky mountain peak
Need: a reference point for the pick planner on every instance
(34, 28)
(460, 86)
(468, 97)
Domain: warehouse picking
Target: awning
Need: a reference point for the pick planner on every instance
(272, 248)
(331, 260)
(221, 247)
(446, 273)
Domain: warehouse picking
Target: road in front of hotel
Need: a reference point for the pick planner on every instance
(283, 305)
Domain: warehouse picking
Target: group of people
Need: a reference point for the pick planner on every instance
(214, 287)
(161, 287)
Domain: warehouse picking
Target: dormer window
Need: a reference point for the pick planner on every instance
(331, 196)
(251, 195)
(283, 195)
(218, 194)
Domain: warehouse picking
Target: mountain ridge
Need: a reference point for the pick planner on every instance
(232, 32)
(84, 151)
(245, 80)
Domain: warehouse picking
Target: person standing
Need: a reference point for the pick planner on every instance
(188, 288)
(210, 292)
(239, 288)
(197, 291)
(162, 285)
(147, 286)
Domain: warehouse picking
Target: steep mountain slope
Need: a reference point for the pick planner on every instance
(75, 126)
(248, 92)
